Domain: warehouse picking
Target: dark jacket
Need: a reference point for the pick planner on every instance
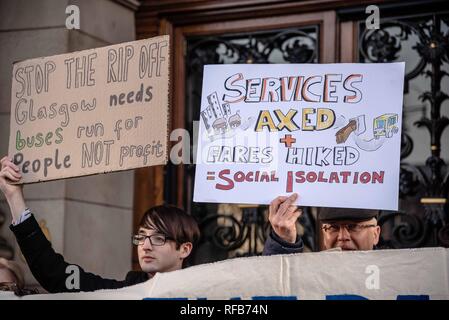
(275, 245)
(49, 267)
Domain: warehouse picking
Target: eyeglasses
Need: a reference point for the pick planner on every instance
(351, 227)
(155, 239)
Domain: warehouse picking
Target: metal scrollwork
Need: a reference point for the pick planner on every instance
(406, 145)
(410, 232)
(428, 182)
(229, 234)
(295, 46)
(380, 46)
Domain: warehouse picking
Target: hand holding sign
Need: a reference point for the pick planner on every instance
(283, 215)
(10, 174)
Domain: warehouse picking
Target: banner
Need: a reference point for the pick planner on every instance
(92, 111)
(379, 274)
(330, 132)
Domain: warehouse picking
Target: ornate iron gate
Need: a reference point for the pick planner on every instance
(423, 217)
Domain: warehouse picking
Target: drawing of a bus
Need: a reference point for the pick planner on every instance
(385, 125)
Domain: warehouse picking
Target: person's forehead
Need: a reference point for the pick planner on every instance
(150, 230)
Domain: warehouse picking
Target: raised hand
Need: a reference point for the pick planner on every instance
(283, 214)
(13, 192)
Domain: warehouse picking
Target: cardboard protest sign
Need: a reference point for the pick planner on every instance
(377, 274)
(330, 132)
(92, 111)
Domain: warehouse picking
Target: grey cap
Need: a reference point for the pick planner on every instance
(332, 214)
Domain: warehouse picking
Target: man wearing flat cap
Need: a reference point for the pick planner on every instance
(348, 229)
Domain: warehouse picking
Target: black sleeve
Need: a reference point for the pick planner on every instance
(49, 267)
(275, 245)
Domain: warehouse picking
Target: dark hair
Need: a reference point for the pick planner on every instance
(172, 222)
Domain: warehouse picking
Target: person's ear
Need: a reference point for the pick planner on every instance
(376, 235)
(185, 249)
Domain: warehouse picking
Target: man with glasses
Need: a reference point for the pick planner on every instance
(164, 241)
(348, 229)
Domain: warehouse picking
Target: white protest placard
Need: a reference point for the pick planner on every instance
(329, 132)
(92, 111)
